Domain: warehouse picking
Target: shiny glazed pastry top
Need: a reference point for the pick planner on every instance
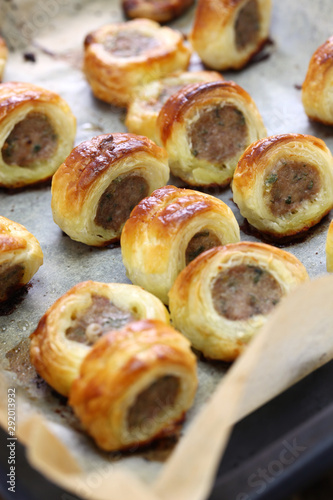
(75, 322)
(227, 33)
(120, 58)
(223, 298)
(169, 229)
(283, 184)
(143, 111)
(37, 131)
(161, 11)
(3, 56)
(134, 385)
(205, 127)
(317, 94)
(101, 181)
(20, 257)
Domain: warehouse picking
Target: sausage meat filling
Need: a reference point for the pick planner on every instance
(289, 185)
(101, 317)
(118, 201)
(200, 243)
(153, 401)
(32, 140)
(129, 43)
(10, 279)
(244, 291)
(247, 24)
(218, 134)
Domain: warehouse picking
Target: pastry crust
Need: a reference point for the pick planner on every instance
(221, 317)
(20, 257)
(71, 326)
(134, 385)
(161, 11)
(205, 128)
(3, 56)
(227, 33)
(283, 184)
(317, 93)
(95, 189)
(167, 230)
(50, 124)
(143, 111)
(120, 58)
(329, 248)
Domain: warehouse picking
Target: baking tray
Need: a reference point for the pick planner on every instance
(273, 79)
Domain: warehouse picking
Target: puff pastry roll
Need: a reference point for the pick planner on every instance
(143, 111)
(283, 184)
(224, 296)
(161, 11)
(3, 56)
(74, 323)
(227, 33)
(101, 181)
(317, 95)
(134, 385)
(329, 248)
(168, 230)
(20, 257)
(120, 58)
(205, 127)
(37, 131)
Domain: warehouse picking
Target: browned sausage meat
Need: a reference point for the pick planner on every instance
(200, 242)
(247, 24)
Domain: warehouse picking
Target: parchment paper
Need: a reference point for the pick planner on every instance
(53, 32)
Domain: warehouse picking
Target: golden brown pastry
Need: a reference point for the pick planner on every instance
(317, 94)
(168, 230)
(3, 56)
(37, 131)
(161, 11)
(134, 385)
(205, 127)
(73, 324)
(227, 33)
(143, 111)
(283, 184)
(329, 248)
(20, 257)
(101, 181)
(120, 58)
(225, 295)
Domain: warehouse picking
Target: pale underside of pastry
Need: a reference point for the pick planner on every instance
(75, 322)
(20, 257)
(101, 181)
(329, 248)
(223, 298)
(121, 58)
(37, 132)
(134, 385)
(3, 57)
(283, 184)
(169, 229)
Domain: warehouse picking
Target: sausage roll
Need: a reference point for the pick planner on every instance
(224, 296)
(317, 87)
(168, 230)
(37, 131)
(227, 33)
(143, 111)
(134, 385)
(20, 257)
(3, 56)
(101, 181)
(283, 184)
(329, 248)
(73, 324)
(205, 128)
(161, 11)
(120, 58)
